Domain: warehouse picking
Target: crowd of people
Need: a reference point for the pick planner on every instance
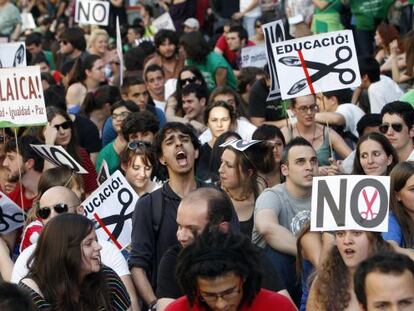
(224, 176)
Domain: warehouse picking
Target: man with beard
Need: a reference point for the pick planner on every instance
(154, 221)
(23, 160)
(168, 56)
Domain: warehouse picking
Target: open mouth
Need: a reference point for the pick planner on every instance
(349, 252)
(181, 158)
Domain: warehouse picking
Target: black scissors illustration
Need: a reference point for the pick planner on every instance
(4, 224)
(346, 75)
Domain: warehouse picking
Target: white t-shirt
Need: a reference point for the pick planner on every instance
(383, 92)
(256, 12)
(352, 114)
(244, 128)
(110, 257)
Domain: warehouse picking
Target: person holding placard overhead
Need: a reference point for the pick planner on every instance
(322, 138)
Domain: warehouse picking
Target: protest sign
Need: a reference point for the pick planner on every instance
(103, 174)
(350, 203)
(28, 21)
(119, 52)
(254, 56)
(21, 97)
(12, 54)
(57, 155)
(240, 144)
(93, 12)
(273, 32)
(11, 215)
(111, 206)
(315, 64)
(164, 21)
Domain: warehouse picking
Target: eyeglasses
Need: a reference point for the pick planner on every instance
(138, 144)
(225, 295)
(121, 115)
(44, 212)
(383, 128)
(305, 109)
(188, 80)
(65, 125)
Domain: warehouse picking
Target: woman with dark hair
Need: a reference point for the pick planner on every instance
(401, 219)
(219, 271)
(66, 271)
(220, 118)
(374, 155)
(139, 165)
(397, 76)
(85, 76)
(214, 67)
(332, 288)
(240, 179)
(174, 108)
(60, 131)
(274, 136)
(97, 105)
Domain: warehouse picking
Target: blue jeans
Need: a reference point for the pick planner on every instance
(286, 268)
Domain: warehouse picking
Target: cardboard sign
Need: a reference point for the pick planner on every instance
(164, 21)
(103, 174)
(57, 155)
(93, 12)
(350, 203)
(28, 21)
(111, 206)
(315, 64)
(11, 215)
(12, 54)
(21, 97)
(273, 32)
(254, 56)
(119, 52)
(240, 144)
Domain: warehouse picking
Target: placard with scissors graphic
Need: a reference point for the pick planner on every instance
(315, 64)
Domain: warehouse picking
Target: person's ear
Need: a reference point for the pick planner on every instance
(203, 101)
(284, 169)
(80, 210)
(162, 160)
(224, 227)
(196, 154)
(29, 163)
(411, 132)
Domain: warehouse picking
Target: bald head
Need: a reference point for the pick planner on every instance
(59, 195)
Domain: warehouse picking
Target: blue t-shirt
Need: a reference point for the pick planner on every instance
(394, 231)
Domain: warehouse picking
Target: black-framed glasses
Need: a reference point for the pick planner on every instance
(305, 109)
(44, 212)
(65, 125)
(133, 145)
(188, 80)
(228, 294)
(383, 128)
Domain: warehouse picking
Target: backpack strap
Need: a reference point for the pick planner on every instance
(158, 211)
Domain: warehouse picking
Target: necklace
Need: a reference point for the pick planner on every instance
(238, 199)
(313, 137)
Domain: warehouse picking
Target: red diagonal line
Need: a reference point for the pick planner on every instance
(100, 222)
(305, 70)
(369, 202)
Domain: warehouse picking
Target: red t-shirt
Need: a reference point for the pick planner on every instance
(227, 53)
(15, 197)
(265, 300)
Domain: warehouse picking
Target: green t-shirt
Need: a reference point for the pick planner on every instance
(213, 62)
(108, 154)
(327, 19)
(367, 11)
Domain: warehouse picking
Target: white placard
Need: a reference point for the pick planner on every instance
(273, 32)
(254, 56)
(93, 12)
(164, 21)
(103, 174)
(57, 155)
(315, 64)
(21, 97)
(28, 21)
(111, 206)
(350, 202)
(12, 54)
(11, 215)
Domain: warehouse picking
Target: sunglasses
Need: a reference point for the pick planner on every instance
(44, 212)
(64, 125)
(133, 145)
(188, 80)
(383, 128)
